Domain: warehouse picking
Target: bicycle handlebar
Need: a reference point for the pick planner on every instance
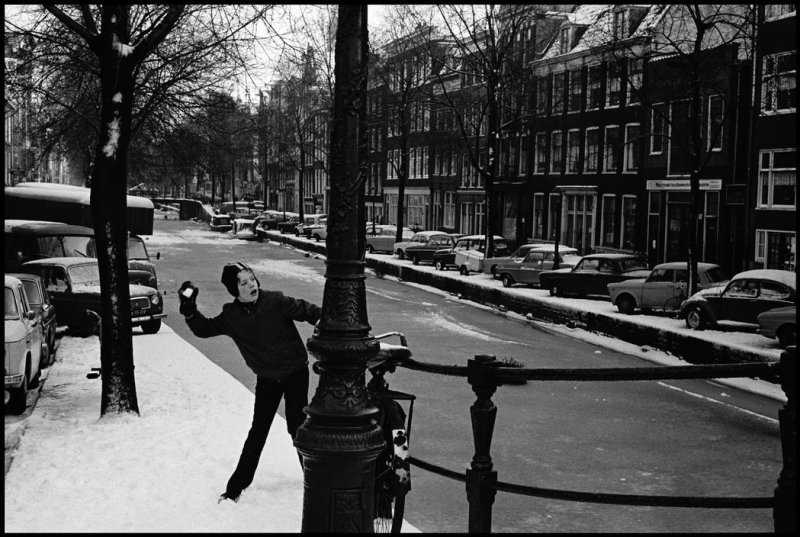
(403, 341)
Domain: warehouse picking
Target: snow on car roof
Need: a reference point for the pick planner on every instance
(69, 193)
(783, 276)
(66, 261)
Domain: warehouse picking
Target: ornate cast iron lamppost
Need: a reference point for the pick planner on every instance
(340, 440)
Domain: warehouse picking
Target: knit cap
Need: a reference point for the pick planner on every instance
(230, 273)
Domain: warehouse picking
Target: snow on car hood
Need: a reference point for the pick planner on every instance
(134, 289)
(711, 291)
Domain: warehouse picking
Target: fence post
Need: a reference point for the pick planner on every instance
(481, 479)
(785, 514)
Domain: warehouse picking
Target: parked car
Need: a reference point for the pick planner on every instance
(748, 294)
(244, 228)
(23, 346)
(74, 285)
(780, 323)
(536, 261)
(220, 222)
(318, 232)
(39, 300)
(384, 238)
(470, 251)
(424, 251)
(269, 219)
(665, 288)
(289, 224)
(420, 237)
(490, 263)
(26, 240)
(309, 220)
(592, 274)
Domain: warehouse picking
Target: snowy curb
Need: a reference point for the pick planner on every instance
(691, 348)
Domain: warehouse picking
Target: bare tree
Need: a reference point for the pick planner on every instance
(146, 59)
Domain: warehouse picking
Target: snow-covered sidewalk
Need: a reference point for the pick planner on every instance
(160, 472)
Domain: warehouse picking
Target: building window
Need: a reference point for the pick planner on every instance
(552, 215)
(657, 129)
(628, 216)
(611, 149)
(449, 210)
(631, 163)
(779, 82)
(716, 113)
(556, 162)
(541, 96)
(678, 160)
(775, 11)
(653, 219)
(538, 216)
(416, 211)
(613, 92)
(777, 179)
(592, 150)
(608, 222)
(558, 95)
(711, 226)
(564, 40)
(621, 24)
(541, 153)
(635, 80)
(573, 151)
(594, 88)
(776, 249)
(575, 91)
(523, 154)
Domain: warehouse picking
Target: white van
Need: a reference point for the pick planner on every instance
(469, 252)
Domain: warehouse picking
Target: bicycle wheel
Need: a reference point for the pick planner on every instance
(389, 514)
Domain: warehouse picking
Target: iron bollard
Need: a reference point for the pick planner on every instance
(481, 478)
(785, 513)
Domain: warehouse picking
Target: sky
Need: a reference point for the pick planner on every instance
(164, 470)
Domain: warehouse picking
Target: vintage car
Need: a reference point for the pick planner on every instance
(490, 263)
(424, 251)
(244, 228)
(318, 231)
(592, 274)
(269, 219)
(23, 346)
(780, 323)
(74, 286)
(469, 252)
(39, 300)
(665, 288)
(527, 270)
(220, 222)
(748, 294)
(384, 238)
(289, 223)
(420, 237)
(309, 221)
(26, 240)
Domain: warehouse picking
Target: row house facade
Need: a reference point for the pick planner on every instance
(773, 194)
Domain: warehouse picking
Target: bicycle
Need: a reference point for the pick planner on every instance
(392, 469)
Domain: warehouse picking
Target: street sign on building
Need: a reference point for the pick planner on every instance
(683, 184)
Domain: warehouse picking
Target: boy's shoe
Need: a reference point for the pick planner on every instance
(229, 496)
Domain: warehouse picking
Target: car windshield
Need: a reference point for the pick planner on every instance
(33, 292)
(717, 274)
(79, 246)
(11, 305)
(136, 249)
(570, 259)
(85, 274)
(632, 264)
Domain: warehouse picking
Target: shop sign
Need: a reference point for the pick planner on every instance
(683, 184)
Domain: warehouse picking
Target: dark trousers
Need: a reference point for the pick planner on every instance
(294, 391)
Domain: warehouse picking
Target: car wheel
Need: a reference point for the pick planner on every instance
(508, 281)
(625, 304)
(316, 237)
(401, 254)
(415, 259)
(787, 335)
(463, 270)
(438, 265)
(555, 290)
(370, 249)
(151, 327)
(18, 399)
(695, 318)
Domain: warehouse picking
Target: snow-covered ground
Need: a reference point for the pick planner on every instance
(163, 471)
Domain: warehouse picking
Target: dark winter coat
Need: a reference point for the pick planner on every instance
(264, 331)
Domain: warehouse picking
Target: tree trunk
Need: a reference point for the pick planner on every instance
(403, 175)
(108, 194)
